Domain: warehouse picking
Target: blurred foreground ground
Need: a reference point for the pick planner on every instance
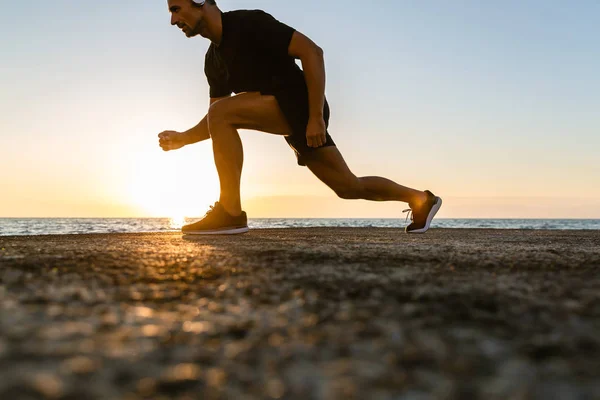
(302, 314)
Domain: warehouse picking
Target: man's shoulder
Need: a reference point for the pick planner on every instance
(243, 18)
(246, 13)
(212, 60)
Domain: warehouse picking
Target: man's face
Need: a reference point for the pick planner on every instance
(187, 17)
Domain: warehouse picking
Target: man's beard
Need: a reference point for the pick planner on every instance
(197, 29)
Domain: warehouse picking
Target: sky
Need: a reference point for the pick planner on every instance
(491, 105)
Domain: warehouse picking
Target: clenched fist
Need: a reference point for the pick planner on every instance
(171, 140)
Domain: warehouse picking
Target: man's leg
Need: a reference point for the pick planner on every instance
(329, 166)
(262, 113)
(225, 117)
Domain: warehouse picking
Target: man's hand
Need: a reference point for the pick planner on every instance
(171, 140)
(315, 132)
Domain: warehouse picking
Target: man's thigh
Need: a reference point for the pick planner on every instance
(252, 110)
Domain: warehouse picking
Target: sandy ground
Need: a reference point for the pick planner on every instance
(302, 314)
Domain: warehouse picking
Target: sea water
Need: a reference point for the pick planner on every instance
(57, 226)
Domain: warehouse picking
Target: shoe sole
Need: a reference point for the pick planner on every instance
(432, 212)
(226, 231)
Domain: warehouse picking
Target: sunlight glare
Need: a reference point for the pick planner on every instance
(177, 222)
(170, 185)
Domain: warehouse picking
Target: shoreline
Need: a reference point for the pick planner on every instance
(397, 231)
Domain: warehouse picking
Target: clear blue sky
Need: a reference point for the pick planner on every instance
(473, 100)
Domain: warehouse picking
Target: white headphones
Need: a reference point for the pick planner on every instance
(199, 2)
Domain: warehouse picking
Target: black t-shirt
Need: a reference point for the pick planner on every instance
(252, 56)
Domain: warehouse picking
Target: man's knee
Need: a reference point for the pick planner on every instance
(219, 114)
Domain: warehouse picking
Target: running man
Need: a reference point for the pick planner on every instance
(253, 55)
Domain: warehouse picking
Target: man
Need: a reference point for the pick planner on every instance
(253, 55)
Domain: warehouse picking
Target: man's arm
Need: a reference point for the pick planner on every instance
(313, 65)
(172, 140)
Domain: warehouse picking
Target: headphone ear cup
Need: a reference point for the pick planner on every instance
(199, 2)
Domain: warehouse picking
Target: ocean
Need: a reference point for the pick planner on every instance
(58, 226)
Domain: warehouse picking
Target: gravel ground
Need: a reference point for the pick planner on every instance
(302, 314)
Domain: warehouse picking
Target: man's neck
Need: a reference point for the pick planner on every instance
(216, 28)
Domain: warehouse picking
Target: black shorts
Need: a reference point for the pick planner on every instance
(295, 110)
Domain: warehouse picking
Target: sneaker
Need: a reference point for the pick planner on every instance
(421, 218)
(217, 221)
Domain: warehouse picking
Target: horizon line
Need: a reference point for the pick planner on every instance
(349, 218)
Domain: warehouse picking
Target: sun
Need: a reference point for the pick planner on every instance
(172, 185)
(177, 222)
